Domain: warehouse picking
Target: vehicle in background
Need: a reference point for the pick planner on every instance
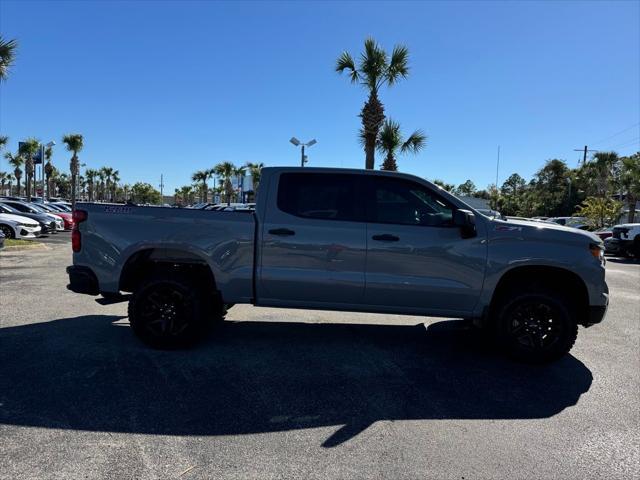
(624, 241)
(2, 237)
(47, 222)
(575, 222)
(67, 218)
(344, 240)
(63, 205)
(604, 233)
(16, 226)
(56, 217)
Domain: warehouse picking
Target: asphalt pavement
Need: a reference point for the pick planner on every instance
(303, 394)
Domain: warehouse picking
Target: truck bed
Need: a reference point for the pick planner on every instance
(113, 233)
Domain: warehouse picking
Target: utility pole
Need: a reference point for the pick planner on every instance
(161, 191)
(302, 159)
(584, 155)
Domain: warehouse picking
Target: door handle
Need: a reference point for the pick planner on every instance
(282, 232)
(386, 238)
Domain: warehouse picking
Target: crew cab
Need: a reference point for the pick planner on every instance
(346, 240)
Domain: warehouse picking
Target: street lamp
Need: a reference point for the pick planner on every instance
(298, 143)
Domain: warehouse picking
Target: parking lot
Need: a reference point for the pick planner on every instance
(305, 394)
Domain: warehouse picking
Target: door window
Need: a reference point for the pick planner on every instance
(403, 202)
(320, 195)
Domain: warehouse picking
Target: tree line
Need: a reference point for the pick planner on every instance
(599, 189)
(224, 176)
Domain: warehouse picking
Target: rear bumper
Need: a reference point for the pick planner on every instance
(82, 280)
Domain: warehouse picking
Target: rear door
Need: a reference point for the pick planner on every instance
(417, 260)
(313, 241)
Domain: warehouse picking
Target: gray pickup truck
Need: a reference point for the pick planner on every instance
(347, 240)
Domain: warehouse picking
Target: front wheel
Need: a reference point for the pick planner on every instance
(169, 312)
(7, 231)
(536, 327)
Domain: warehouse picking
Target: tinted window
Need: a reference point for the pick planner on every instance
(407, 203)
(319, 195)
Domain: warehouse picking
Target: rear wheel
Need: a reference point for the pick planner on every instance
(536, 327)
(7, 231)
(170, 311)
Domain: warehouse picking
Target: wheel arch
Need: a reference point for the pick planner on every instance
(548, 277)
(146, 261)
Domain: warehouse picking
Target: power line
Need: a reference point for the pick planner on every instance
(616, 134)
(627, 143)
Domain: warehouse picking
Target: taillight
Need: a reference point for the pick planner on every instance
(79, 216)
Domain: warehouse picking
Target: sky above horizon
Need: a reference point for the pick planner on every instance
(174, 87)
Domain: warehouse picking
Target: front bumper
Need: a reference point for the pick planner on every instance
(82, 280)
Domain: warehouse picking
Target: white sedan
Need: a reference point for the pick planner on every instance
(16, 226)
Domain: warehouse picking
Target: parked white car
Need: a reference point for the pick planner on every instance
(16, 226)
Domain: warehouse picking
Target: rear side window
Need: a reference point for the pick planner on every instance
(320, 195)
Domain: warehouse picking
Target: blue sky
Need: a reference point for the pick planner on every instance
(173, 87)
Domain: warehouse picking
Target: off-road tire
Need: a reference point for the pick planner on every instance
(169, 311)
(536, 326)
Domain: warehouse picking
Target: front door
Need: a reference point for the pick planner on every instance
(313, 241)
(416, 259)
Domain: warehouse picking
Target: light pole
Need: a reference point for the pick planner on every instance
(298, 143)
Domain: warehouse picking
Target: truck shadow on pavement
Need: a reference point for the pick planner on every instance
(90, 373)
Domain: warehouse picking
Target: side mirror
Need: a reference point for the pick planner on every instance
(466, 220)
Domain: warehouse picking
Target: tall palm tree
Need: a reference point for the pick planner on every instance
(91, 175)
(630, 180)
(3, 180)
(4, 140)
(226, 170)
(202, 176)
(115, 178)
(7, 56)
(74, 143)
(16, 161)
(390, 141)
(255, 170)
(374, 70)
(105, 180)
(240, 173)
(28, 149)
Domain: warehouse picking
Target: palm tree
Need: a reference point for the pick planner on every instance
(202, 176)
(105, 181)
(375, 70)
(3, 180)
(16, 161)
(91, 176)
(3, 141)
(630, 180)
(74, 143)
(226, 171)
(28, 149)
(115, 178)
(255, 170)
(7, 56)
(390, 140)
(240, 173)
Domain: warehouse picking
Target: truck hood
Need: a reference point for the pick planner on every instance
(549, 231)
